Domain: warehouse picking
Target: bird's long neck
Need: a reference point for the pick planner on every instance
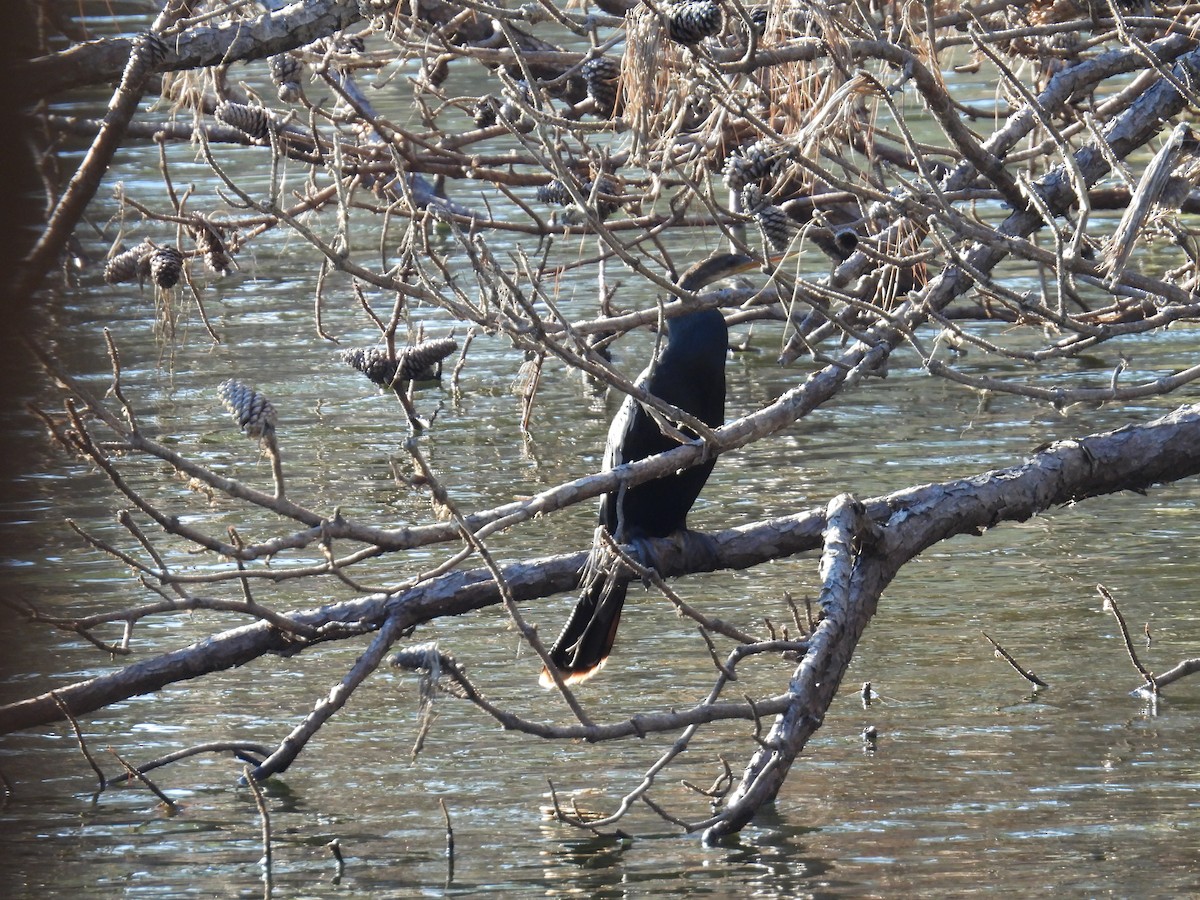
(696, 342)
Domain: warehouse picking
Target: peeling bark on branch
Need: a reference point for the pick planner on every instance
(860, 562)
(853, 578)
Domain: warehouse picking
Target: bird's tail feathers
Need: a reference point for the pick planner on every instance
(588, 637)
(570, 678)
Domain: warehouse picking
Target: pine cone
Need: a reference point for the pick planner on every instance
(484, 111)
(514, 101)
(130, 265)
(372, 362)
(419, 362)
(776, 226)
(602, 76)
(212, 247)
(752, 199)
(286, 72)
(553, 193)
(253, 412)
(251, 120)
(166, 266)
(423, 361)
(751, 163)
(606, 188)
(691, 21)
(774, 223)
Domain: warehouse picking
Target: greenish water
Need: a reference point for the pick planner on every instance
(975, 786)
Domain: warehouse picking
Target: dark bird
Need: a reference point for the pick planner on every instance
(688, 372)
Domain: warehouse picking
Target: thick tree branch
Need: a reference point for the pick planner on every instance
(287, 28)
(145, 52)
(853, 574)
(1131, 458)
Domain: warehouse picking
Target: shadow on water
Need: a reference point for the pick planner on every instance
(774, 860)
(767, 861)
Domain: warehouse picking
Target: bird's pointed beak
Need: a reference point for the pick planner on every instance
(773, 262)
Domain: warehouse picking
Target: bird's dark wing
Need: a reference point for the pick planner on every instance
(690, 374)
(630, 417)
(652, 509)
(587, 639)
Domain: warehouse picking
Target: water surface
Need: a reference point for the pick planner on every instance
(975, 785)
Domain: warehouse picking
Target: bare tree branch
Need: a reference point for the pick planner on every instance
(1131, 458)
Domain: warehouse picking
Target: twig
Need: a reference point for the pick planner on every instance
(527, 632)
(335, 699)
(335, 847)
(82, 187)
(449, 842)
(720, 786)
(264, 816)
(666, 816)
(240, 749)
(800, 626)
(532, 380)
(1182, 670)
(1110, 604)
(462, 359)
(850, 588)
(417, 659)
(170, 804)
(1007, 657)
(712, 652)
(82, 743)
(647, 573)
(115, 359)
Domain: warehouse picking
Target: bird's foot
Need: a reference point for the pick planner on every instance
(699, 550)
(643, 552)
(687, 551)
